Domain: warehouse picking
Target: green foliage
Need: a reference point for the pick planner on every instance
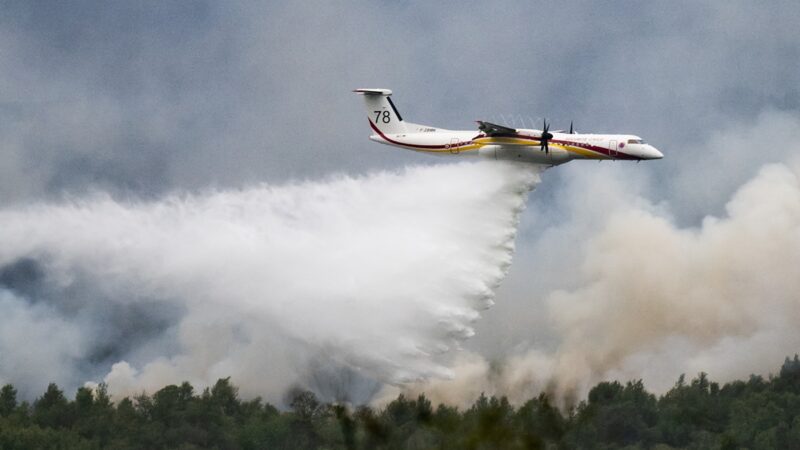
(52, 410)
(616, 415)
(757, 414)
(540, 422)
(8, 400)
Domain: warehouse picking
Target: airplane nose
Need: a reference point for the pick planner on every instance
(652, 153)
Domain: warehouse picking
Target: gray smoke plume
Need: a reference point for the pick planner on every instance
(372, 280)
(654, 295)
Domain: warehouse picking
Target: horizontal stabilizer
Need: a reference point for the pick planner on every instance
(386, 92)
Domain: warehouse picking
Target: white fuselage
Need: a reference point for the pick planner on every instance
(497, 141)
(524, 147)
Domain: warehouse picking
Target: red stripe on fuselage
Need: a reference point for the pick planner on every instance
(388, 139)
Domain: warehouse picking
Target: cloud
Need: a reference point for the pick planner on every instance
(144, 99)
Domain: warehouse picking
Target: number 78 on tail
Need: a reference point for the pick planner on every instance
(498, 141)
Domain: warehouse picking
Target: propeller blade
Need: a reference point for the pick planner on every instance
(545, 137)
(541, 138)
(570, 128)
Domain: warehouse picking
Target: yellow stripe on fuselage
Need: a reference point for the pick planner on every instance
(505, 141)
(454, 150)
(480, 142)
(531, 143)
(591, 154)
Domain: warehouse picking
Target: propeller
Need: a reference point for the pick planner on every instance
(570, 128)
(545, 137)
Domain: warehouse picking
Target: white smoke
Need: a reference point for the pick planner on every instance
(379, 276)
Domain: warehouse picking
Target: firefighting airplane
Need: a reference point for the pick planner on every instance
(499, 142)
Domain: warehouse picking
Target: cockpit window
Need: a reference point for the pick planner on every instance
(635, 141)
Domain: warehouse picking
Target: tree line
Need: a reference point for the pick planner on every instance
(698, 414)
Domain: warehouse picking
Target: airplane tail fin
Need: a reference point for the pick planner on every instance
(383, 115)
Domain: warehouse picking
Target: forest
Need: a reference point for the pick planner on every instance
(758, 413)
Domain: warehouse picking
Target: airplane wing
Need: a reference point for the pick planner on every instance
(494, 130)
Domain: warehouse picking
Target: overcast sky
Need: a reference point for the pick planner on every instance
(140, 99)
(147, 97)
